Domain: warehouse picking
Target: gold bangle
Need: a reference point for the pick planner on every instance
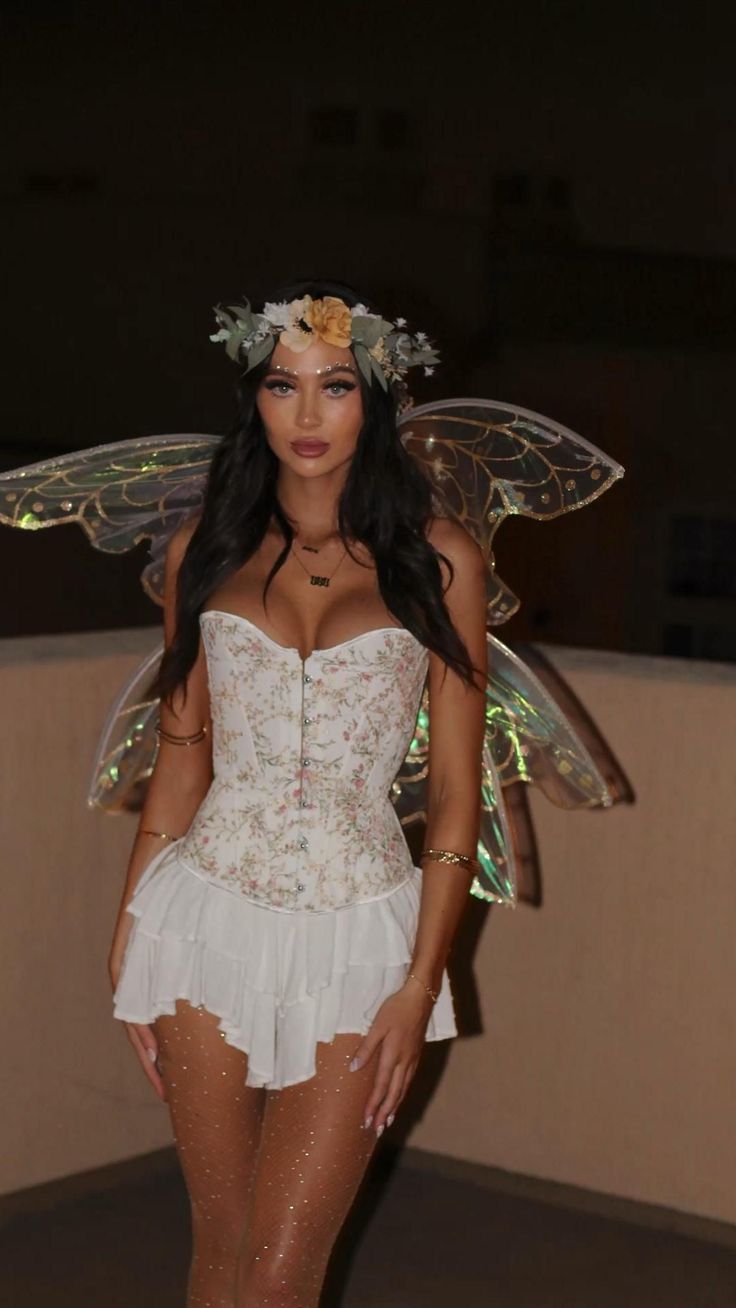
(181, 740)
(434, 995)
(448, 856)
(162, 835)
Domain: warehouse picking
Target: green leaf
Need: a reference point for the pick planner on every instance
(244, 316)
(378, 371)
(257, 353)
(367, 330)
(232, 349)
(224, 318)
(363, 359)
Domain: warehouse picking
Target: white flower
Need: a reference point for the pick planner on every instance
(361, 311)
(223, 335)
(278, 315)
(421, 338)
(401, 322)
(429, 372)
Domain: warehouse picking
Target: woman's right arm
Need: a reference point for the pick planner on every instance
(182, 774)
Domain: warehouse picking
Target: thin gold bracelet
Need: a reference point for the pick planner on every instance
(181, 740)
(162, 835)
(449, 856)
(434, 995)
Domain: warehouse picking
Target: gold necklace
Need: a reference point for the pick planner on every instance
(314, 578)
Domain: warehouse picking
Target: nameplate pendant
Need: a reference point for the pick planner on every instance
(319, 581)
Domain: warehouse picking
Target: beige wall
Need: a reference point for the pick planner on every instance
(608, 1056)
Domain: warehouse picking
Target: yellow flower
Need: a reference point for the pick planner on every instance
(331, 319)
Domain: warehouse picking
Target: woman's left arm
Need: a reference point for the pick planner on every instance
(456, 731)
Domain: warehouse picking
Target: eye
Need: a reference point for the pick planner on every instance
(282, 387)
(340, 387)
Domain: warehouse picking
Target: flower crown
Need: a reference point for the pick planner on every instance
(382, 349)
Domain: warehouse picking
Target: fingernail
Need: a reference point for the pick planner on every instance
(152, 1055)
(390, 1119)
(368, 1121)
(354, 1065)
(379, 1130)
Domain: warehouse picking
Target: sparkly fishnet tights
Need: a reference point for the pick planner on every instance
(271, 1174)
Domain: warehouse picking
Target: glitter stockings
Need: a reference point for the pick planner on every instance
(271, 1174)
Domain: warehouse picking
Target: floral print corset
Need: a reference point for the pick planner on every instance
(299, 814)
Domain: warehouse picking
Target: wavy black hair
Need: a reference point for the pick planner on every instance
(385, 503)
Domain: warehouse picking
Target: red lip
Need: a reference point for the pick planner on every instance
(309, 447)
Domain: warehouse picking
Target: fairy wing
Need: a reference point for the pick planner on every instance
(486, 460)
(128, 745)
(527, 738)
(119, 494)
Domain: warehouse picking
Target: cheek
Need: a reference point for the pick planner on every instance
(346, 418)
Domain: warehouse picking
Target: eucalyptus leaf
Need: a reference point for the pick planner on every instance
(257, 353)
(378, 370)
(244, 316)
(232, 349)
(363, 359)
(367, 330)
(224, 318)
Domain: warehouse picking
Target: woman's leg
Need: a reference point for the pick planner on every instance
(313, 1153)
(216, 1120)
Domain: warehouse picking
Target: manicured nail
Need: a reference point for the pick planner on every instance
(152, 1055)
(390, 1118)
(368, 1121)
(379, 1130)
(354, 1065)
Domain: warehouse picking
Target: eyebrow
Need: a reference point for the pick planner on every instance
(319, 372)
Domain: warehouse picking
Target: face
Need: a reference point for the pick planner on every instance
(311, 406)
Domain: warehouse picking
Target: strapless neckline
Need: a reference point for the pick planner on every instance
(293, 649)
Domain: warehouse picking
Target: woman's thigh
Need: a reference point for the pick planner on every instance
(215, 1117)
(313, 1154)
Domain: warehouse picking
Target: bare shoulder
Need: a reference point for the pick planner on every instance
(179, 540)
(453, 540)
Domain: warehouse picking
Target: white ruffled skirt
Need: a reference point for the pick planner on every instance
(278, 981)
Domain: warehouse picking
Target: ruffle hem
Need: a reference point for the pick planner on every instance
(278, 981)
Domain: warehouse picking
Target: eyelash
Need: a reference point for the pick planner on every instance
(344, 386)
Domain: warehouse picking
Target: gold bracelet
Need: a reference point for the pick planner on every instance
(181, 740)
(414, 977)
(144, 831)
(448, 856)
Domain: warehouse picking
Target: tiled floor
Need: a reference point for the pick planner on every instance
(414, 1241)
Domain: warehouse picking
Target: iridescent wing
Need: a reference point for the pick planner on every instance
(527, 738)
(486, 460)
(128, 744)
(119, 494)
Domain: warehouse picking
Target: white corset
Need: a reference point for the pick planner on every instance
(299, 815)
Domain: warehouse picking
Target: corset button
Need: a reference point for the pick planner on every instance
(306, 762)
(304, 803)
(307, 721)
(303, 842)
(307, 677)
(300, 886)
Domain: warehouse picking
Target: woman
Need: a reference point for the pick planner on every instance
(278, 960)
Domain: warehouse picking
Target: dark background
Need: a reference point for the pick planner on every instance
(547, 189)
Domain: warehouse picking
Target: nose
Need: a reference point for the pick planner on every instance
(308, 412)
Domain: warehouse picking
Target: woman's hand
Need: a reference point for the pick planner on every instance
(398, 1032)
(140, 1035)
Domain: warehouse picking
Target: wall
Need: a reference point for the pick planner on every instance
(607, 1054)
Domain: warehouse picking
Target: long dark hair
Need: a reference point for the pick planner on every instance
(385, 503)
